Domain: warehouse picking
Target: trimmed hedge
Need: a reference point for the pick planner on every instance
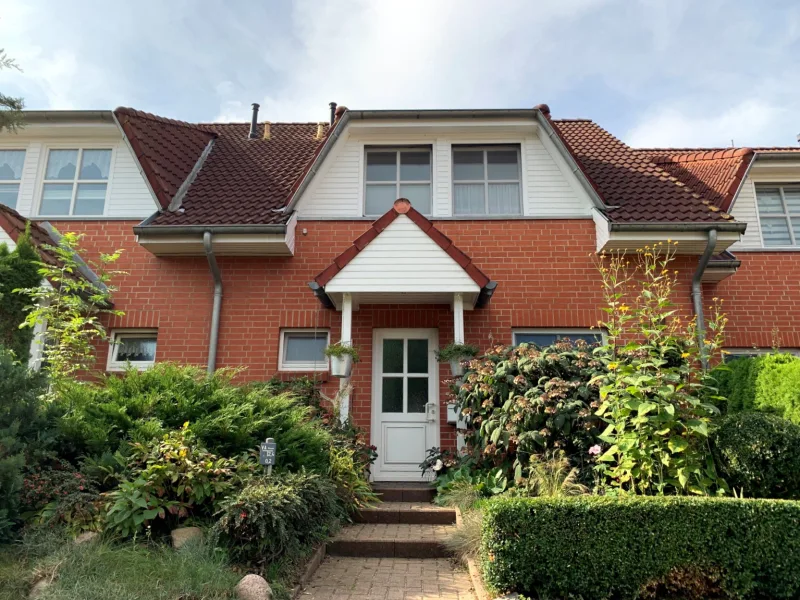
(767, 383)
(596, 547)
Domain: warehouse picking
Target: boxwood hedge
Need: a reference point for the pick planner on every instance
(602, 547)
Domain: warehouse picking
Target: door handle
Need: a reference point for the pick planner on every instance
(430, 412)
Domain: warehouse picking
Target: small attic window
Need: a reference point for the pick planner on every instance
(779, 215)
(393, 173)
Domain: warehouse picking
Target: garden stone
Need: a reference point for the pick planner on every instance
(184, 534)
(512, 596)
(253, 587)
(39, 588)
(86, 537)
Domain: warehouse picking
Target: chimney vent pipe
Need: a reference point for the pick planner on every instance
(254, 122)
(333, 111)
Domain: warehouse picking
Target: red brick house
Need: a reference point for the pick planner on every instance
(258, 244)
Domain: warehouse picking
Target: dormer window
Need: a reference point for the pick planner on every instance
(11, 162)
(75, 182)
(397, 173)
(779, 214)
(486, 181)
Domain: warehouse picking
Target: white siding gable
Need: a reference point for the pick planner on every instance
(6, 239)
(745, 211)
(402, 259)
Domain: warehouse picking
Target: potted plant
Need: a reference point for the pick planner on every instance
(343, 356)
(456, 354)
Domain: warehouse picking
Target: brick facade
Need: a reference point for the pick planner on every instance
(544, 269)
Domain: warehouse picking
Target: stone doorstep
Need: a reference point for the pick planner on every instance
(388, 548)
(404, 492)
(406, 513)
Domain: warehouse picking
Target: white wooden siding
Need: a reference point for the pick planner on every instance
(745, 211)
(129, 195)
(402, 259)
(549, 188)
(6, 239)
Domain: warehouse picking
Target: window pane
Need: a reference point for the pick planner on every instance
(91, 199)
(796, 229)
(136, 349)
(392, 396)
(95, 164)
(392, 356)
(56, 198)
(502, 164)
(380, 198)
(415, 166)
(417, 394)
(8, 194)
(539, 339)
(419, 195)
(775, 231)
(381, 166)
(468, 165)
(61, 164)
(468, 199)
(417, 356)
(11, 162)
(769, 200)
(504, 199)
(792, 196)
(305, 348)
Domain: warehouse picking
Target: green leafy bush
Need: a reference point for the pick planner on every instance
(759, 455)
(273, 517)
(18, 269)
(603, 547)
(169, 481)
(228, 419)
(778, 386)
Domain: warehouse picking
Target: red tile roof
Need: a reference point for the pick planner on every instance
(402, 207)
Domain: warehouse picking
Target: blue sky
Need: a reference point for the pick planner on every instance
(678, 72)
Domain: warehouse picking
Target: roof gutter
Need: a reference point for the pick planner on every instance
(144, 228)
(68, 116)
(217, 307)
(722, 226)
(697, 295)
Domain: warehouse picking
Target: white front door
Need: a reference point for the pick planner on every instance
(405, 401)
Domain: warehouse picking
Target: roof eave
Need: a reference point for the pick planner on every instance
(678, 226)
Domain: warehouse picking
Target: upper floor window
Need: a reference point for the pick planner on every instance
(75, 182)
(779, 214)
(486, 181)
(397, 173)
(11, 162)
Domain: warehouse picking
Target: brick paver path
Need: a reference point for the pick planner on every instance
(341, 578)
(396, 531)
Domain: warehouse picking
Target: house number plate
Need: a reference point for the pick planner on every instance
(266, 455)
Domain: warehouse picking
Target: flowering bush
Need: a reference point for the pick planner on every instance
(652, 384)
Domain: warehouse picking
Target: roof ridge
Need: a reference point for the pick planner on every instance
(132, 112)
(704, 155)
(218, 123)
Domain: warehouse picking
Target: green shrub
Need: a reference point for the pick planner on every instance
(759, 455)
(759, 383)
(278, 516)
(18, 269)
(596, 547)
(778, 386)
(228, 419)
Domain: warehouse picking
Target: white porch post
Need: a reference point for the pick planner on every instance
(347, 337)
(458, 318)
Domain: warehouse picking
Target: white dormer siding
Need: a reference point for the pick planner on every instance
(127, 193)
(549, 188)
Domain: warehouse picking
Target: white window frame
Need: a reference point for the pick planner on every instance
(302, 367)
(787, 216)
(569, 332)
(753, 352)
(17, 182)
(486, 181)
(397, 181)
(75, 180)
(114, 365)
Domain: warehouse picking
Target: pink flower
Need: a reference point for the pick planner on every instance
(594, 450)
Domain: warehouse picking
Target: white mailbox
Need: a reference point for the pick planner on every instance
(454, 416)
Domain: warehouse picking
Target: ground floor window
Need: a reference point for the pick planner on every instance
(546, 337)
(134, 347)
(303, 350)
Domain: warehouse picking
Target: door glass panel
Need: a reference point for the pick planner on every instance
(417, 394)
(392, 400)
(392, 356)
(417, 356)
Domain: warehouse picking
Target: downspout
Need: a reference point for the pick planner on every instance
(697, 295)
(215, 311)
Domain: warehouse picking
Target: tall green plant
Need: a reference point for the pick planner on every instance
(657, 425)
(18, 269)
(71, 306)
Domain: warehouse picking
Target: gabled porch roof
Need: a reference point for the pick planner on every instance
(402, 258)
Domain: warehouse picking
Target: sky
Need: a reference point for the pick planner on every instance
(684, 73)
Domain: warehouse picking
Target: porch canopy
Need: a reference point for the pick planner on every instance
(403, 259)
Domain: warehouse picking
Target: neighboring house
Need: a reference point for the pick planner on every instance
(257, 245)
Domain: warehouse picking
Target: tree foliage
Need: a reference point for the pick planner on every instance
(18, 269)
(10, 107)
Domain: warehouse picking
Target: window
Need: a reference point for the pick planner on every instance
(75, 182)
(486, 181)
(779, 214)
(393, 174)
(546, 337)
(11, 162)
(303, 350)
(136, 347)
